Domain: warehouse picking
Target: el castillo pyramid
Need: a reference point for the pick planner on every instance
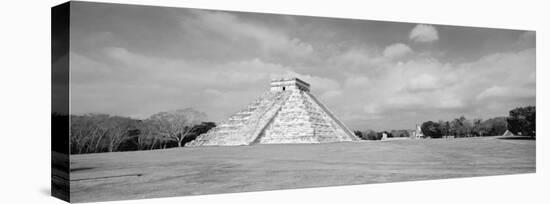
(288, 113)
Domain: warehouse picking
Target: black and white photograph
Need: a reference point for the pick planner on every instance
(153, 101)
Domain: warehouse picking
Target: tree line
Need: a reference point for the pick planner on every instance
(520, 121)
(94, 133)
(373, 135)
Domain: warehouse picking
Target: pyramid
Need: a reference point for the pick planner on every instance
(508, 133)
(287, 113)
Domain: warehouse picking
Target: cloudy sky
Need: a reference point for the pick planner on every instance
(135, 61)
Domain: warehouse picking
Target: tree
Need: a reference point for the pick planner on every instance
(131, 143)
(399, 133)
(86, 133)
(477, 128)
(522, 121)
(405, 133)
(494, 126)
(431, 129)
(148, 137)
(443, 127)
(368, 135)
(466, 129)
(176, 125)
(358, 134)
(199, 129)
(461, 127)
(447, 128)
(372, 135)
(118, 130)
(93, 133)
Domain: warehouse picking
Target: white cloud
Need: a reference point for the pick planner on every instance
(236, 30)
(423, 82)
(213, 92)
(221, 61)
(357, 82)
(372, 108)
(397, 50)
(355, 57)
(449, 100)
(412, 86)
(493, 91)
(331, 94)
(419, 86)
(423, 33)
(319, 84)
(503, 92)
(126, 77)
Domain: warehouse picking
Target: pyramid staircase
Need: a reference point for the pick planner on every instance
(241, 128)
(283, 115)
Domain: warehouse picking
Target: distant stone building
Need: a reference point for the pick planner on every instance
(288, 113)
(417, 133)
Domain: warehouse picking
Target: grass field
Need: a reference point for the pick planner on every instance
(207, 170)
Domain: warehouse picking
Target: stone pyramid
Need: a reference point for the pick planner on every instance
(288, 113)
(508, 133)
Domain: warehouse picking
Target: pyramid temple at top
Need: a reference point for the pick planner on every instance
(288, 113)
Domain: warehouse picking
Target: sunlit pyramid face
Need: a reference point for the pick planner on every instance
(288, 113)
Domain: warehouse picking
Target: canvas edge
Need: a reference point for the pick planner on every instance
(60, 149)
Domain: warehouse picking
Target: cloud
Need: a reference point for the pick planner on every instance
(235, 30)
(449, 100)
(331, 94)
(372, 109)
(423, 82)
(494, 91)
(417, 86)
(357, 82)
(421, 89)
(396, 50)
(218, 62)
(124, 77)
(503, 92)
(423, 33)
(354, 59)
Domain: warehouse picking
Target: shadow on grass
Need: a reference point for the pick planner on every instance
(107, 177)
(81, 169)
(517, 138)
